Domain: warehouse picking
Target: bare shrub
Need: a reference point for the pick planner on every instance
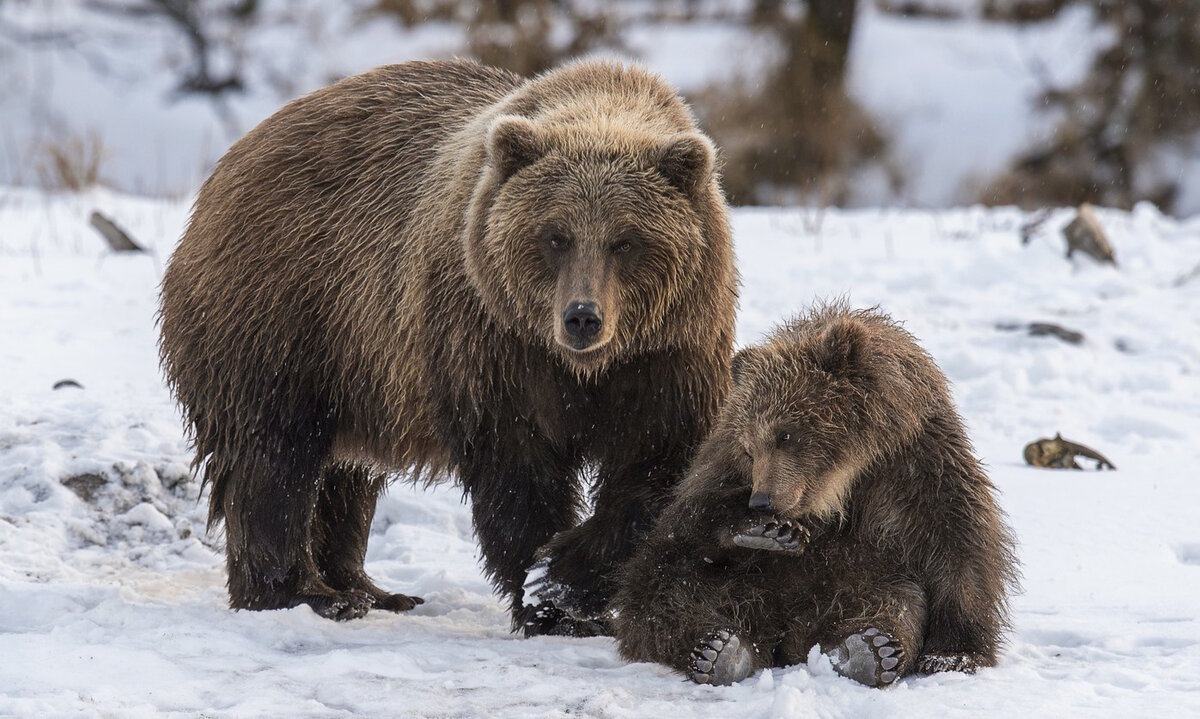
(1138, 98)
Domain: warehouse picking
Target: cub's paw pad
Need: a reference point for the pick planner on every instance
(720, 659)
(397, 602)
(546, 619)
(934, 663)
(341, 606)
(775, 535)
(869, 657)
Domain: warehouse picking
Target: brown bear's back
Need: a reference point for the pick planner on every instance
(308, 225)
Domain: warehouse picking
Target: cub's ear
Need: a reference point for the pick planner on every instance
(687, 161)
(741, 363)
(841, 349)
(513, 142)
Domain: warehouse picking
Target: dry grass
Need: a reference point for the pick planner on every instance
(71, 162)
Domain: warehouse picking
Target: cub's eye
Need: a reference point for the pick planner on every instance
(558, 241)
(622, 247)
(783, 439)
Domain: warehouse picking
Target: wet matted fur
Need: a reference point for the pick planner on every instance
(376, 280)
(847, 426)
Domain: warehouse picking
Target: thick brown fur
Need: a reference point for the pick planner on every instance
(849, 426)
(374, 280)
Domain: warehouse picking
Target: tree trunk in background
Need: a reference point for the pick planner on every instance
(793, 133)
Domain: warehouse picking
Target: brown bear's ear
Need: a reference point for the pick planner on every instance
(687, 161)
(741, 363)
(840, 350)
(513, 142)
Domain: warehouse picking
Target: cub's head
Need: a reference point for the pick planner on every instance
(798, 417)
(589, 237)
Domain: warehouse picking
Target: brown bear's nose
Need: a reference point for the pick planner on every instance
(582, 320)
(760, 502)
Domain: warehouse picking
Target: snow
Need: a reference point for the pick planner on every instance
(111, 593)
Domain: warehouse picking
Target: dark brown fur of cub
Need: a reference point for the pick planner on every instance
(375, 279)
(849, 427)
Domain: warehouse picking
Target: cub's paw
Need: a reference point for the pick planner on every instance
(720, 659)
(869, 657)
(933, 663)
(774, 535)
(340, 606)
(546, 619)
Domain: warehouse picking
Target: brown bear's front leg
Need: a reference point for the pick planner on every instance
(516, 509)
(577, 564)
(953, 644)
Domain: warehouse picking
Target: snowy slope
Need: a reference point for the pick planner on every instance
(112, 600)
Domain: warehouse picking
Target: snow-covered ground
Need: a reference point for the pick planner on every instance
(111, 595)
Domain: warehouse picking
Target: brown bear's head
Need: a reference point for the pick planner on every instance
(796, 416)
(588, 234)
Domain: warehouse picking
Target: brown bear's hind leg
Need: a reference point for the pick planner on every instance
(872, 635)
(341, 528)
(268, 503)
(721, 659)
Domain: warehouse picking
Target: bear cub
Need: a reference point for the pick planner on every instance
(837, 502)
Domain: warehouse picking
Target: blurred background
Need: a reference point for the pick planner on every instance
(907, 103)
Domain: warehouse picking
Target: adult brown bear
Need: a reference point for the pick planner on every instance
(443, 269)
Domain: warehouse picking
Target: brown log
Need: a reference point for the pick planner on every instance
(118, 239)
(1086, 235)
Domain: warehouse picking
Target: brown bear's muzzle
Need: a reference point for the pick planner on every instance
(582, 322)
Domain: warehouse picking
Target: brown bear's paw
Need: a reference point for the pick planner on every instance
(720, 659)
(546, 619)
(869, 657)
(397, 602)
(339, 606)
(555, 607)
(358, 581)
(774, 535)
(936, 662)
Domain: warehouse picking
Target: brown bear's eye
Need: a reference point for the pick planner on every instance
(557, 242)
(782, 439)
(625, 242)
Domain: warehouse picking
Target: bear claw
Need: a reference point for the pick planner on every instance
(934, 663)
(869, 657)
(720, 659)
(775, 535)
(550, 607)
(547, 619)
(341, 606)
(397, 602)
